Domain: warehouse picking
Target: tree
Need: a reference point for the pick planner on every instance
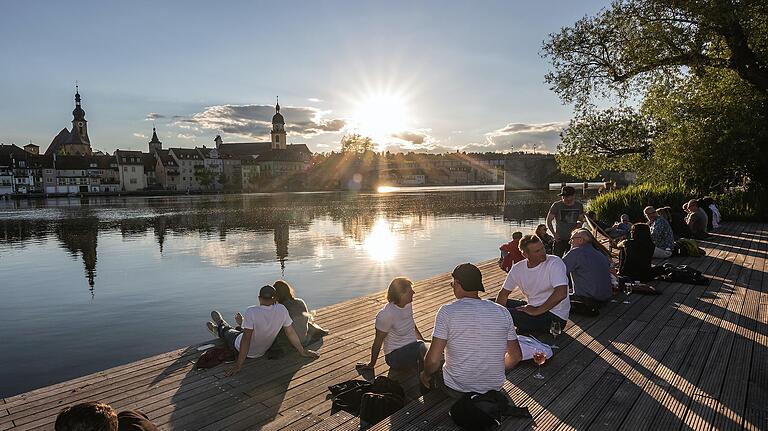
(697, 70)
(616, 139)
(634, 42)
(205, 176)
(356, 143)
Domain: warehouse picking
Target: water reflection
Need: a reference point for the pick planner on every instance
(239, 223)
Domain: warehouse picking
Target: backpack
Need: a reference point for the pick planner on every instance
(687, 247)
(348, 395)
(480, 412)
(214, 356)
(375, 407)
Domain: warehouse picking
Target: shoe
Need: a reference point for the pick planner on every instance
(217, 319)
(212, 327)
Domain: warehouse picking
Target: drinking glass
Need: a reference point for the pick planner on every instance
(539, 357)
(627, 291)
(555, 330)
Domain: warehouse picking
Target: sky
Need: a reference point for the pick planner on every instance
(425, 76)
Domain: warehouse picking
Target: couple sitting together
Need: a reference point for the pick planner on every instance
(279, 320)
(474, 341)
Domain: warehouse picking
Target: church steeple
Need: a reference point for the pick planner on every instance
(155, 144)
(278, 129)
(78, 143)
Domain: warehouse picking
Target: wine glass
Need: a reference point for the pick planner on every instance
(539, 357)
(627, 291)
(555, 330)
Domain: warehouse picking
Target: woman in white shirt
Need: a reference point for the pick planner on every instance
(396, 330)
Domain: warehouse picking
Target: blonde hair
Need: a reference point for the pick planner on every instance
(284, 291)
(397, 288)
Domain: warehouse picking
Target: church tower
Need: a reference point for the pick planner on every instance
(78, 143)
(155, 144)
(278, 129)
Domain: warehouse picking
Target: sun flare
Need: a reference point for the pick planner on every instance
(381, 115)
(380, 242)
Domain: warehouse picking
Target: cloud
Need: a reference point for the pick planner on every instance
(183, 136)
(255, 121)
(415, 137)
(154, 116)
(543, 137)
(314, 99)
(139, 135)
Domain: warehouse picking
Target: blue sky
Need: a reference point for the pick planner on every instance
(423, 76)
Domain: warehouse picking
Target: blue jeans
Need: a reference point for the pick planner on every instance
(407, 356)
(526, 323)
(228, 334)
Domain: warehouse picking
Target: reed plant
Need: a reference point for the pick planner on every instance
(736, 204)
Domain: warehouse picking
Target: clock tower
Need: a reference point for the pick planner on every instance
(278, 129)
(79, 124)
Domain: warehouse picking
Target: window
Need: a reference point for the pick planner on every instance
(133, 180)
(125, 168)
(133, 168)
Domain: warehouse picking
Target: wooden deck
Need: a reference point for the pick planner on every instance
(693, 357)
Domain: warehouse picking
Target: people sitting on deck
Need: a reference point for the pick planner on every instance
(510, 252)
(543, 280)
(547, 239)
(661, 233)
(713, 214)
(307, 331)
(696, 219)
(635, 253)
(96, 416)
(478, 338)
(589, 268)
(260, 326)
(623, 225)
(404, 346)
(568, 214)
(676, 219)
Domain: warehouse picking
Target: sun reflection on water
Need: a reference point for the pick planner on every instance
(381, 242)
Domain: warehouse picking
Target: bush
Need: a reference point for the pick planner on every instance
(734, 205)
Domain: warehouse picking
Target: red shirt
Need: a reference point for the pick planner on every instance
(513, 254)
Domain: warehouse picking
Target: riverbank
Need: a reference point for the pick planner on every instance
(693, 356)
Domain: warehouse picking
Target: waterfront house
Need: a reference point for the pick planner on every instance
(191, 168)
(131, 170)
(166, 170)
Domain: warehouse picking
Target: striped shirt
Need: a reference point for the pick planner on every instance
(477, 332)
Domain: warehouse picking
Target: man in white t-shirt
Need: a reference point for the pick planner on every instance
(261, 325)
(477, 336)
(543, 279)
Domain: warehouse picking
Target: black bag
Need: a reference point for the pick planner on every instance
(481, 412)
(348, 395)
(683, 274)
(375, 407)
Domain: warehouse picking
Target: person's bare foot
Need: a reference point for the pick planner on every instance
(239, 319)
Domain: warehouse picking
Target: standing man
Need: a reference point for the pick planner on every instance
(477, 336)
(543, 279)
(661, 233)
(568, 214)
(260, 328)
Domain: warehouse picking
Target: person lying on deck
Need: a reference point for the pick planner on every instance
(589, 268)
(543, 279)
(95, 416)
(307, 331)
(260, 327)
(478, 338)
(396, 330)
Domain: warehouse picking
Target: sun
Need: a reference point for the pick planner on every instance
(381, 243)
(381, 115)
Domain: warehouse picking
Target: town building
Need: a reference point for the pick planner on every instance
(75, 142)
(130, 165)
(191, 167)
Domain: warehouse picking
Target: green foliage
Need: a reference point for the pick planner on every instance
(737, 204)
(356, 143)
(616, 139)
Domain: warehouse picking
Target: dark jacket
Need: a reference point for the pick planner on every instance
(635, 259)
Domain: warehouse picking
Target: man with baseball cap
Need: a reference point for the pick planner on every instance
(568, 214)
(477, 336)
(261, 325)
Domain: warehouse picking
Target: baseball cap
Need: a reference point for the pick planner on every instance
(567, 191)
(469, 276)
(267, 292)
